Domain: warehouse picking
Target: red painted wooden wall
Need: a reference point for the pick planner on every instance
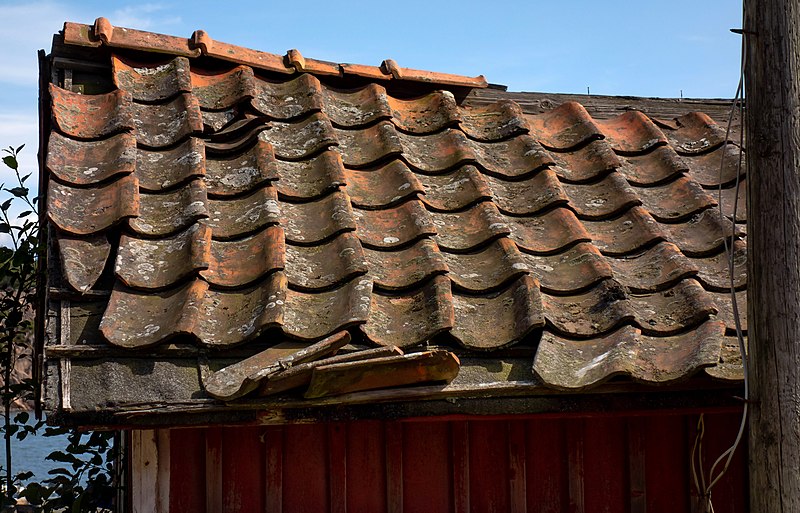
(520, 464)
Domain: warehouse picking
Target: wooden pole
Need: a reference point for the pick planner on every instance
(772, 78)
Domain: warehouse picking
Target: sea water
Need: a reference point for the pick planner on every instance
(29, 455)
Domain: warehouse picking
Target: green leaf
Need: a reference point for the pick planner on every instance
(19, 192)
(22, 180)
(5, 228)
(6, 204)
(11, 162)
(21, 417)
(19, 149)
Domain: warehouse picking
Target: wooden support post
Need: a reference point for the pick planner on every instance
(772, 32)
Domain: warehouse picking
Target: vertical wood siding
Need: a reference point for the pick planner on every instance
(636, 464)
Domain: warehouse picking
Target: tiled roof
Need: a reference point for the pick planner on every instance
(221, 206)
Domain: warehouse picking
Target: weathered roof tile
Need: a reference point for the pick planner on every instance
(269, 197)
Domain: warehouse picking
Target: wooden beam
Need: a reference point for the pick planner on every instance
(772, 37)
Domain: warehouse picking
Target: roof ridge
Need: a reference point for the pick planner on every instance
(103, 33)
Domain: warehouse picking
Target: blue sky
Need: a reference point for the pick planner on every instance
(638, 48)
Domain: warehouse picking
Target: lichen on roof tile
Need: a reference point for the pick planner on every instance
(246, 197)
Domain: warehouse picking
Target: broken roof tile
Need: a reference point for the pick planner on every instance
(83, 259)
(90, 162)
(489, 322)
(151, 82)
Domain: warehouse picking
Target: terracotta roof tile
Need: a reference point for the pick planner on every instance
(91, 162)
(259, 200)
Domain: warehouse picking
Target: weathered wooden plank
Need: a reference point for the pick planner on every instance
(273, 440)
(214, 492)
(575, 454)
(517, 466)
(150, 471)
(337, 466)
(300, 375)
(637, 478)
(394, 467)
(459, 435)
(391, 371)
(240, 378)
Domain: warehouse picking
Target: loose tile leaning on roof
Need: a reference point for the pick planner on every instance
(231, 207)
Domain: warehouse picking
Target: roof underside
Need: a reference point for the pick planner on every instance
(203, 208)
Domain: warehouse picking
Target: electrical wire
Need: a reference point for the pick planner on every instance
(727, 455)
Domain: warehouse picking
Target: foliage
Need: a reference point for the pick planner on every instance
(84, 480)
